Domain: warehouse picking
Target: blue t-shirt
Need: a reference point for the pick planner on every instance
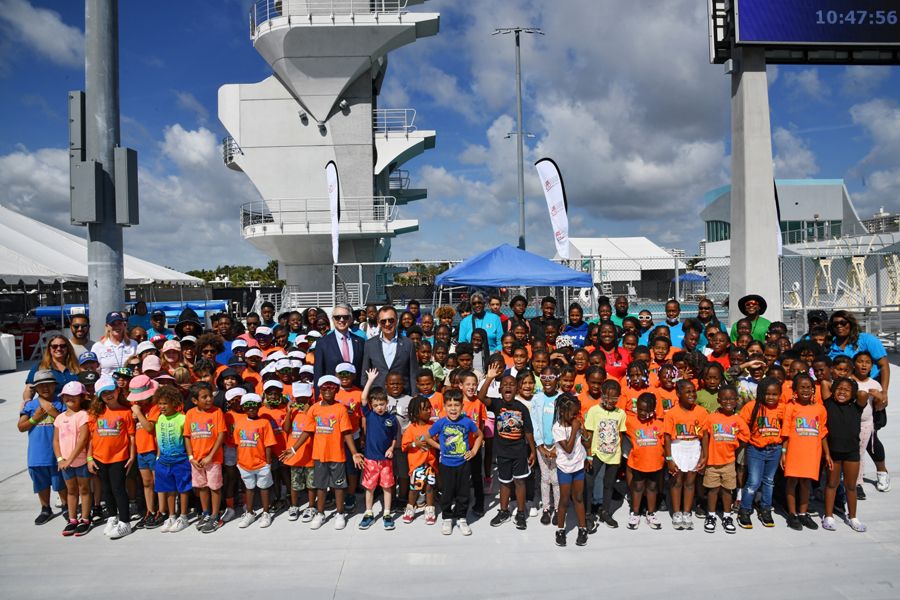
(866, 341)
(453, 437)
(381, 431)
(62, 378)
(40, 437)
(139, 321)
(223, 356)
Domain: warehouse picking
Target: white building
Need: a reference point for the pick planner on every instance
(329, 59)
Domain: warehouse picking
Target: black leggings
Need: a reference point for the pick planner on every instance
(609, 481)
(112, 478)
(875, 448)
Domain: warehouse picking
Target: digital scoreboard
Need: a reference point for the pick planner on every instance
(817, 22)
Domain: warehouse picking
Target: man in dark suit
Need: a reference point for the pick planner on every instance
(390, 352)
(339, 346)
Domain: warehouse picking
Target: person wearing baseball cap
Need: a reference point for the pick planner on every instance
(36, 419)
(158, 325)
(88, 362)
(255, 439)
(115, 347)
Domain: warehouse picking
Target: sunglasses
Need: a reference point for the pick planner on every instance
(250, 405)
(345, 374)
(57, 346)
(548, 377)
(73, 326)
(835, 323)
(341, 317)
(645, 318)
(213, 352)
(386, 321)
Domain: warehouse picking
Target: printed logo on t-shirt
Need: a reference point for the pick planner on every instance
(608, 436)
(646, 437)
(510, 424)
(454, 440)
(110, 427)
(724, 433)
(667, 403)
(806, 427)
(325, 425)
(767, 427)
(249, 439)
(686, 431)
(201, 430)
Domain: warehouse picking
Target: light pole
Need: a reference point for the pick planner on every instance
(519, 133)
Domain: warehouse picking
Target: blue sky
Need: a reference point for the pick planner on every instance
(620, 94)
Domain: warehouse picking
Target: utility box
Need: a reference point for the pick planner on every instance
(126, 176)
(86, 192)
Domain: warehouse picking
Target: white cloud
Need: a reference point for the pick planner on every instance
(189, 102)
(793, 157)
(880, 169)
(863, 80)
(190, 148)
(43, 31)
(806, 82)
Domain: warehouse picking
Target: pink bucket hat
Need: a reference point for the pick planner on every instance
(141, 388)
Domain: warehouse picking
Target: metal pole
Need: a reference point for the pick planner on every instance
(677, 283)
(104, 239)
(520, 145)
(879, 261)
(803, 307)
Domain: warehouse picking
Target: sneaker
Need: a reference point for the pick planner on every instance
(447, 526)
(521, 520)
(828, 524)
(167, 525)
(561, 537)
(409, 514)
(709, 525)
(857, 525)
(807, 521)
(202, 521)
(349, 503)
(687, 520)
(606, 518)
(581, 539)
(212, 525)
(700, 512)
(765, 517)
(70, 528)
(181, 523)
(591, 523)
(501, 517)
(653, 521)
(860, 493)
(533, 510)
(247, 519)
(744, 519)
(728, 524)
(317, 521)
(340, 521)
(142, 522)
(464, 527)
(793, 521)
(884, 481)
(83, 527)
(813, 513)
(430, 517)
(546, 517)
(293, 513)
(227, 515)
(154, 520)
(633, 520)
(97, 515)
(111, 524)
(120, 531)
(308, 515)
(421, 500)
(265, 520)
(677, 522)
(367, 521)
(388, 521)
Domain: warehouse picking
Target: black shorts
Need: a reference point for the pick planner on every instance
(329, 475)
(401, 465)
(643, 475)
(509, 468)
(852, 456)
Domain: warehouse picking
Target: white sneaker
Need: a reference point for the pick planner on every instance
(265, 519)
(167, 525)
(533, 511)
(677, 523)
(340, 521)
(122, 529)
(633, 521)
(447, 526)
(308, 514)
(227, 515)
(247, 519)
(464, 527)
(884, 481)
(686, 521)
(293, 513)
(317, 521)
(111, 524)
(181, 523)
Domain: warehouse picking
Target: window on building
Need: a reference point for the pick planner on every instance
(718, 231)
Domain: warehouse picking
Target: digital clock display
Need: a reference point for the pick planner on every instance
(818, 22)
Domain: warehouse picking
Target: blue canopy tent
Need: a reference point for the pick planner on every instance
(505, 266)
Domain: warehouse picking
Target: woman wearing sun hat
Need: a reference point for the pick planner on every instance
(753, 306)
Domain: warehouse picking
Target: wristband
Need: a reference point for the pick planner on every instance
(784, 450)
(293, 452)
(669, 458)
(190, 457)
(59, 459)
(32, 421)
(90, 459)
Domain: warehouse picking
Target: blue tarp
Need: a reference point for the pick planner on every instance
(692, 277)
(508, 266)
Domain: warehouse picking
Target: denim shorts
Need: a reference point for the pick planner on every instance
(569, 478)
(73, 472)
(45, 477)
(258, 478)
(146, 460)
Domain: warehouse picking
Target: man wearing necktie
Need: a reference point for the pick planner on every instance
(339, 345)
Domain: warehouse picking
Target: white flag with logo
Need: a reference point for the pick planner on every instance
(334, 199)
(555, 193)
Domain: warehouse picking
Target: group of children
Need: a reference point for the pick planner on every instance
(716, 437)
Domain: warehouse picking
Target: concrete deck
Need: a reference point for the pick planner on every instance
(416, 559)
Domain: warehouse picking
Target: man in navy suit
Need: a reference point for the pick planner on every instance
(339, 346)
(390, 352)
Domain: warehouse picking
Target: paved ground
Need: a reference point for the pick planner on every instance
(416, 559)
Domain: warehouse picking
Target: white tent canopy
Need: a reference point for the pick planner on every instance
(624, 258)
(31, 252)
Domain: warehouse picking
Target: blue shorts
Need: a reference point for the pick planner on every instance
(146, 460)
(172, 478)
(45, 477)
(568, 478)
(349, 466)
(73, 472)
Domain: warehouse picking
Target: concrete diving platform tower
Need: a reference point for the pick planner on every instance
(329, 59)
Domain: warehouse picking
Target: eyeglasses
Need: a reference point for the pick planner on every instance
(386, 321)
(548, 377)
(341, 317)
(835, 323)
(58, 346)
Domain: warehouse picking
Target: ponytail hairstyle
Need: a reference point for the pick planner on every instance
(761, 388)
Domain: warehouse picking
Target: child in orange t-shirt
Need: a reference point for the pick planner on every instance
(666, 393)
(725, 431)
(803, 430)
(590, 396)
(685, 451)
(255, 439)
(146, 414)
(764, 416)
(204, 435)
(422, 459)
(645, 461)
(111, 453)
(274, 409)
(637, 381)
(351, 397)
(331, 425)
(299, 459)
